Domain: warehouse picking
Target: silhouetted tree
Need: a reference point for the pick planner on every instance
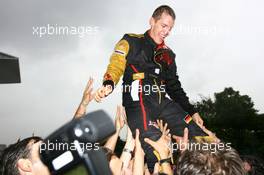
(234, 119)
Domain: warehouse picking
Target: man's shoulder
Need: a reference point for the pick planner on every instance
(134, 35)
(133, 38)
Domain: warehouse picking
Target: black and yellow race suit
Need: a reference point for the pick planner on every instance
(149, 70)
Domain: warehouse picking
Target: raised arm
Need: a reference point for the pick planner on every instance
(119, 123)
(86, 99)
(115, 70)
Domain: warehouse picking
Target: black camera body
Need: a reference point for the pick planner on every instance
(77, 144)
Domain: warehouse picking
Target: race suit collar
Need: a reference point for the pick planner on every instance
(152, 42)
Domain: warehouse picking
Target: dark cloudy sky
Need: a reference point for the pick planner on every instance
(218, 44)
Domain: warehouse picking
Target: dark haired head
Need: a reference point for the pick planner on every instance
(14, 152)
(163, 9)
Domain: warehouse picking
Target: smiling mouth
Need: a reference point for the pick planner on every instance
(163, 36)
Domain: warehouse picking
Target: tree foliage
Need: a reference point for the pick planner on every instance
(234, 119)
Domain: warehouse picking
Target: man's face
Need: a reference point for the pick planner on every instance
(161, 28)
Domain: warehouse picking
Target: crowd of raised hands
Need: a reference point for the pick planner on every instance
(132, 159)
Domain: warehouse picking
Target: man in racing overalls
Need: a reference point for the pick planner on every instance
(149, 73)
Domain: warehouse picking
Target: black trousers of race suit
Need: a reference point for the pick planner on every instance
(149, 108)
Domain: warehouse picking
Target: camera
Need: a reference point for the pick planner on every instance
(75, 148)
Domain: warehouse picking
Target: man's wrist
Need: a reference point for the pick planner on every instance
(117, 132)
(167, 160)
(84, 104)
(129, 146)
(79, 114)
(128, 150)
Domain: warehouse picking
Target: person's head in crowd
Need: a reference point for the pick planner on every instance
(2, 148)
(253, 164)
(22, 158)
(223, 160)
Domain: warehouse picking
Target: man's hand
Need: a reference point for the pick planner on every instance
(119, 119)
(211, 134)
(182, 141)
(87, 94)
(102, 92)
(86, 99)
(162, 146)
(197, 118)
(163, 128)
